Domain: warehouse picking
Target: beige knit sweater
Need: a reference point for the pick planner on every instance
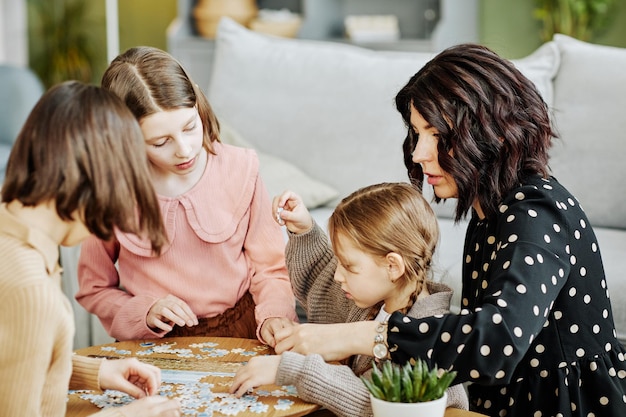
(312, 265)
(36, 327)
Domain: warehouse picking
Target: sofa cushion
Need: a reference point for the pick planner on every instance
(305, 101)
(279, 175)
(327, 107)
(612, 243)
(589, 103)
(541, 67)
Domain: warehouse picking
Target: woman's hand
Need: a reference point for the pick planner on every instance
(334, 342)
(154, 406)
(168, 311)
(289, 210)
(260, 370)
(139, 380)
(271, 326)
(130, 376)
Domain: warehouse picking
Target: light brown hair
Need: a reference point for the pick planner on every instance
(389, 217)
(81, 148)
(150, 80)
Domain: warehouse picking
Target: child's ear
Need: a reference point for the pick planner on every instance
(395, 266)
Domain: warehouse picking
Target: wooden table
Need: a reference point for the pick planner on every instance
(455, 412)
(191, 363)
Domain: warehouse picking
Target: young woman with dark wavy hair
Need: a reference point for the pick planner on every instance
(536, 335)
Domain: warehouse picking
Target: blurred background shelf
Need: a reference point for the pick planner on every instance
(424, 25)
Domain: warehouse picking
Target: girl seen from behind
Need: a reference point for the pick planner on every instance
(58, 189)
(383, 238)
(222, 272)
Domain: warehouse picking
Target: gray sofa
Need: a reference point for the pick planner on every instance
(323, 119)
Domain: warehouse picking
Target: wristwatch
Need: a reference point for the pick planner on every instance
(380, 350)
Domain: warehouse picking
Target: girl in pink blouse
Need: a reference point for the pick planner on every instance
(223, 271)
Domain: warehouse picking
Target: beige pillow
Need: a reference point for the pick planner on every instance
(280, 175)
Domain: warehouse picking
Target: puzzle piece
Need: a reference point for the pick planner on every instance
(199, 389)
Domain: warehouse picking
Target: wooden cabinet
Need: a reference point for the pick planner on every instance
(425, 25)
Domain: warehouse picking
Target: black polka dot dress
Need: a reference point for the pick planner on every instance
(535, 336)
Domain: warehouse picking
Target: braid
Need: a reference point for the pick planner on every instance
(374, 310)
(418, 289)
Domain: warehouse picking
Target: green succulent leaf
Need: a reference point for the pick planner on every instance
(373, 388)
(396, 384)
(377, 376)
(407, 383)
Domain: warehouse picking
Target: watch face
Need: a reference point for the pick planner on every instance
(380, 351)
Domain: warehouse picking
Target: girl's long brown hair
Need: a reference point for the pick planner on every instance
(82, 149)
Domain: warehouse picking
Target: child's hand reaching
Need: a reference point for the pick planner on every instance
(260, 370)
(271, 326)
(168, 311)
(289, 210)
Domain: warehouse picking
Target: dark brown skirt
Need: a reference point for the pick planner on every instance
(238, 321)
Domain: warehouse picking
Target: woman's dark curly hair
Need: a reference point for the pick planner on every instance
(494, 127)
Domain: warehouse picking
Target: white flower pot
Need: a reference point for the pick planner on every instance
(435, 408)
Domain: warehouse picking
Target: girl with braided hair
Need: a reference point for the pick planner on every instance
(377, 261)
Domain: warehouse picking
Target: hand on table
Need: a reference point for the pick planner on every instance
(333, 342)
(289, 210)
(131, 376)
(271, 325)
(139, 380)
(260, 370)
(168, 311)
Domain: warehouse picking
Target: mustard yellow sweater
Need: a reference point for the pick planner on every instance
(36, 327)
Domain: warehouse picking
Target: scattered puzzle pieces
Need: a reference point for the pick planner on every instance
(203, 391)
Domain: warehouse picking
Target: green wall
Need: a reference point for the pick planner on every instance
(144, 22)
(508, 27)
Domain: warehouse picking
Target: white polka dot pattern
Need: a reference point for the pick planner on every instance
(536, 317)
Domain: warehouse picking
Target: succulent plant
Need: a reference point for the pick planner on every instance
(411, 383)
